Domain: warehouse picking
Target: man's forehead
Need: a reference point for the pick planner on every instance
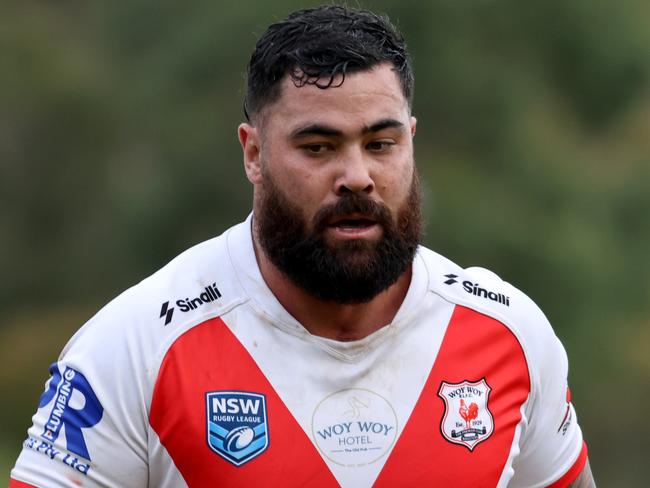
(380, 76)
(365, 98)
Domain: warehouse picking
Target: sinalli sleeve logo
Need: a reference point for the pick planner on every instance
(467, 419)
(237, 425)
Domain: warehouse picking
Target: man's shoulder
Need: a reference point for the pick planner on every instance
(199, 282)
(195, 286)
(487, 293)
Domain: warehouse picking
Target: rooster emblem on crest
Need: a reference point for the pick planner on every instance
(468, 413)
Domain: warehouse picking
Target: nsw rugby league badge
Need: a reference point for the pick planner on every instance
(467, 419)
(237, 425)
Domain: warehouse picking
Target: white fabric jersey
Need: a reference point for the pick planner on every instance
(198, 376)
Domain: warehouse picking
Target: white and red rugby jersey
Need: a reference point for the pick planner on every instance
(198, 377)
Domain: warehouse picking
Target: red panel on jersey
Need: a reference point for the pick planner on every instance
(209, 358)
(475, 346)
(18, 484)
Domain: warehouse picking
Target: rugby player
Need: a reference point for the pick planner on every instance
(316, 343)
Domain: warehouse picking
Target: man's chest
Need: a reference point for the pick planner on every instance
(439, 402)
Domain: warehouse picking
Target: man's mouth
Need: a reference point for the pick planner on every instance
(352, 221)
(350, 226)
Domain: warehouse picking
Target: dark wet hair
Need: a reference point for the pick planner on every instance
(318, 46)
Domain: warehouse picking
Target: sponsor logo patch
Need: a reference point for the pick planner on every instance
(476, 290)
(354, 427)
(209, 294)
(73, 407)
(237, 425)
(467, 419)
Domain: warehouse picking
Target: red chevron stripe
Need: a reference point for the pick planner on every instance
(475, 346)
(209, 358)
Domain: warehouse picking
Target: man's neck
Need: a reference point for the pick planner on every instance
(332, 320)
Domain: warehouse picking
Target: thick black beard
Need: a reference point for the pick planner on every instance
(346, 272)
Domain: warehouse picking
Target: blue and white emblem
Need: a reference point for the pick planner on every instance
(237, 425)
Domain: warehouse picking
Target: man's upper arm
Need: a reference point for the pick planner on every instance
(90, 425)
(551, 447)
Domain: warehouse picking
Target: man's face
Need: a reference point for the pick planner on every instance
(337, 206)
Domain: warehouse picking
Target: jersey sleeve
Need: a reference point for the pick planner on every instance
(90, 425)
(552, 451)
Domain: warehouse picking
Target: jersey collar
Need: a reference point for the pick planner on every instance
(262, 299)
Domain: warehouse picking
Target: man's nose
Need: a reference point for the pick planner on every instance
(354, 174)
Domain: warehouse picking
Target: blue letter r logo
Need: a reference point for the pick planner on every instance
(60, 389)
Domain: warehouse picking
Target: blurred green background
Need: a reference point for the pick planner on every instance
(118, 150)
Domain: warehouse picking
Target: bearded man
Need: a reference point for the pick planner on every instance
(316, 343)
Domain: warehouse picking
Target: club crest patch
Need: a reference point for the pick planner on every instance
(467, 419)
(237, 425)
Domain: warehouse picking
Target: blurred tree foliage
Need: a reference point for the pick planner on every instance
(118, 150)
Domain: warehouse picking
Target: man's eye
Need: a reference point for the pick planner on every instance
(379, 145)
(316, 148)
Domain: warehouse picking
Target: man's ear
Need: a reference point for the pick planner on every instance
(414, 124)
(251, 147)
